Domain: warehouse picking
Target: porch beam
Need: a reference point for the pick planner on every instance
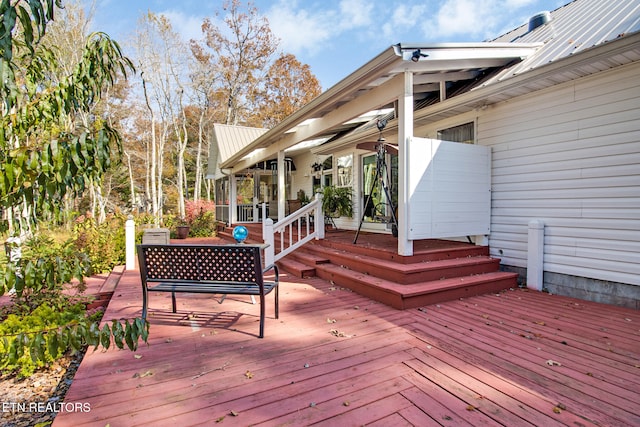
(405, 132)
(375, 98)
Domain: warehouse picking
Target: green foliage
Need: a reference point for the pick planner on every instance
(27, 333)
(44, 266)
(103, 243)
(31, 341)
(337, 201)
(43, 157)
(46, 154)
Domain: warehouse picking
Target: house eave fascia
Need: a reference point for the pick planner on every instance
(477, 96)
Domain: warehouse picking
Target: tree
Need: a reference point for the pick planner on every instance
(44, 157)
(46, 154)
(238, 58)
(287, 87)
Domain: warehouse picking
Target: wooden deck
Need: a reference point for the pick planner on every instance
(336, 358)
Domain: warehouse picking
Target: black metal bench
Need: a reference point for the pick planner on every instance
(209, 269)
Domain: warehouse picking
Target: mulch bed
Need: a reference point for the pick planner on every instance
(27, 402)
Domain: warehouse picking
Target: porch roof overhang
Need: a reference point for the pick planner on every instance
(374, 87)
(332, 117)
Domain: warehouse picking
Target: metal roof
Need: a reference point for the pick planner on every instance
(227, 141)
(574, 28)
(582, 38)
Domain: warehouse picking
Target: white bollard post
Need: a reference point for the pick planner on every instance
(535, 255)
(130, 243)
(269, 240)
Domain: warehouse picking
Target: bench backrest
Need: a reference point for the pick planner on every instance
(216, 263)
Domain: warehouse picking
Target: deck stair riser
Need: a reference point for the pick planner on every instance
(402, 273)
(444, 272)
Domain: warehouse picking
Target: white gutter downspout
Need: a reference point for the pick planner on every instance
(405, 133)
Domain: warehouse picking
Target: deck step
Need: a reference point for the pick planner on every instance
(296, 268)
(418, 294)
(407, 273)
(438, 270)
(424, 251)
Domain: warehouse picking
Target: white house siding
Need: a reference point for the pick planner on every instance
(570, 157)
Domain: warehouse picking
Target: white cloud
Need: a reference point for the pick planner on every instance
(355, 14)
(403, 20)
(188, 26)
(298, 29)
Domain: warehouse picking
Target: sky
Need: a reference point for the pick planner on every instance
(336, 37)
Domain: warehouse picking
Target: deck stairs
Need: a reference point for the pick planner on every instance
(438, 271)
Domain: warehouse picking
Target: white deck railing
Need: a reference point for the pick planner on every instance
(296, 229)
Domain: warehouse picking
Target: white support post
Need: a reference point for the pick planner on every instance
(130, 243)
(282, 196)
(319, 218)
(269, 240)
(405, 133)
(233, 199)
(535, 255)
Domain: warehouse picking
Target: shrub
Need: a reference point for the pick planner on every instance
(43, 318)
(200, 216)
(103, 243)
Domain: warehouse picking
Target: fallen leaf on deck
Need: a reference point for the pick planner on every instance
(471, 408)
(248, 374)
(137, 356)
(331, 320)
(142, 375)
(234, 413)
(553, 363)
(540, 323)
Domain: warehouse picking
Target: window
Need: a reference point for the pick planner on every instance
(345, 171)
(463, 133)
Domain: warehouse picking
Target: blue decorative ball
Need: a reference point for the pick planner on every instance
(240, 233)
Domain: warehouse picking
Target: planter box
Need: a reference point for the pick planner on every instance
(156, 236)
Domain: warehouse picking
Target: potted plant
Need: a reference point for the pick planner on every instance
(337, 202)
(182, 229)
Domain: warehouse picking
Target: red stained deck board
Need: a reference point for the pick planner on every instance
(190, 375)
(579, 318)
(441, 405)
(597, 359)
(415, 417)
(525, 344)
(470, 342)
(311, 405)
(369, 413)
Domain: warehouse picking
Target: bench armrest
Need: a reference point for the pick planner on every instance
(275, 270)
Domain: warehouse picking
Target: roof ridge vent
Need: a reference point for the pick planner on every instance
(539, 20)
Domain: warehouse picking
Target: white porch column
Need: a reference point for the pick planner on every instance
(233, 199)
(282, 197)
(405, 132)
